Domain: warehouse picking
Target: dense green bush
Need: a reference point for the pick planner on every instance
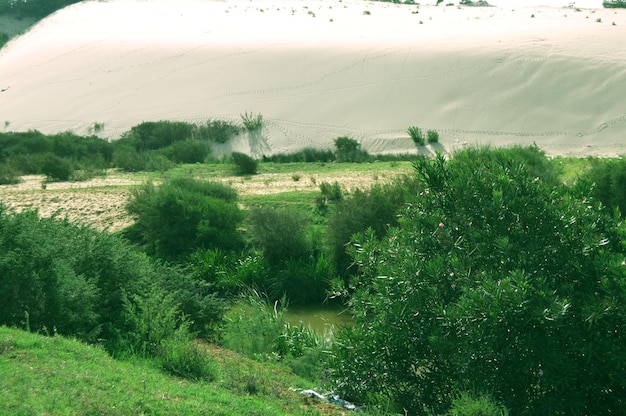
(56, 168)
(187, 151)
(153, 135)
(332, 192)
(244, 164)
(8, 175)
(614, 4)
(183, 215)
(33, 8)
(279, 233)
(609, 183)
(493, 283)
(228, 272)
(376, 208)
(349, 150)
(217, 131)
(63, 277)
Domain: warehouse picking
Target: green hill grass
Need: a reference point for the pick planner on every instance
(60, 376)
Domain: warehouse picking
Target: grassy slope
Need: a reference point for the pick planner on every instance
(59, 376)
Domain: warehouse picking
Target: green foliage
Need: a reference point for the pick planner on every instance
(181, 357)
(187, 151)
(4, 39)
(27, 152)
(376, 208)
(468, 405)
(244, 164)
(332, 192)
(253, 327)
(432, 136)
(349, 150)
(303, 280)
(8, 175)
(614, 4)
(252, 122)
(185, 214)
(228, 272)
(494, 282)
(308, 154)
(33, 8)
(279, 233)
(56, 168)
(217, 131)
(416, 135)
(609, 183)
(62, 277)
(152, 135)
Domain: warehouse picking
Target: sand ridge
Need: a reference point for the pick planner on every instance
(319, 69)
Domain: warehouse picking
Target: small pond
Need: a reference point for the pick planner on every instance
(319, 317)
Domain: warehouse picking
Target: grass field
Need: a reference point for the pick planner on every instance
(59, 376)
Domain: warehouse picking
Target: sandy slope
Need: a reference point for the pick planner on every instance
(318, 69)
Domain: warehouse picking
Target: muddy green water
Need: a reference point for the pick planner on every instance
(319, 317)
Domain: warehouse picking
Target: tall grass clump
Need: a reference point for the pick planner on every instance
(432, 136)
(252, 122)
(416, 135)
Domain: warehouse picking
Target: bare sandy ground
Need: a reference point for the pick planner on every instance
(319, 69)
(100, 202)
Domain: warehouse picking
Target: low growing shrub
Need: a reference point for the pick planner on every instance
(244, 164)
(56, 168)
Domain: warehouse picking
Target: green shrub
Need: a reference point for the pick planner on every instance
(492, 281)
(56, 168)
(217, 131)
(188, 151)
(376, 208)
(416, 135)
(183, 358)
(244, 164)
(4, 39)
(307, 154)
(332, 192)
(253, 327)
(279, 233)
(8, 175)
(349, 150)
(252, 122)
(468, 405)
(614, 4)
(154, 135)
(184, 214)
(609, 183)
(432, 136)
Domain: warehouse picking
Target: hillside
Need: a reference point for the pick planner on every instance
(55, 375)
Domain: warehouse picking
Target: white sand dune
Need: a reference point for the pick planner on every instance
(319, 69)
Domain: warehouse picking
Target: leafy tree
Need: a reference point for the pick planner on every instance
(493, 283)
(349, 150)
(609, 183)
(185, 214)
